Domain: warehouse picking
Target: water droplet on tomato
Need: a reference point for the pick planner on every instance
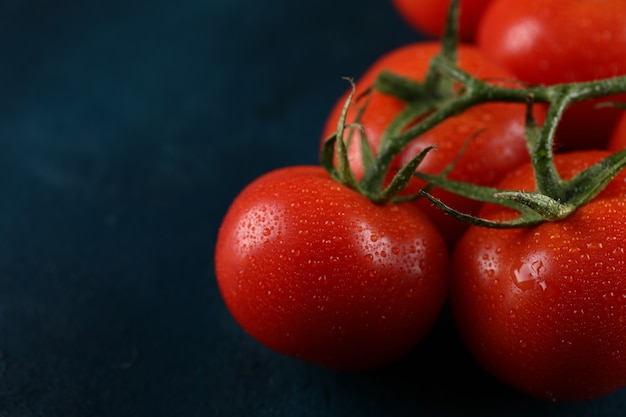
(369, 257)
(532, 272)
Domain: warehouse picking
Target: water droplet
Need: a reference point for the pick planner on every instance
(369, 257)
(532, 272)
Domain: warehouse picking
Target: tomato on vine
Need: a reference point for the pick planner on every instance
(553, 41)
(341, 265)
(543, 308)
(495, 130)
(314, 270)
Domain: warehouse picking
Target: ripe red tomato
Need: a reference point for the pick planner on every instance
(429, 16)
(498, 149)
(314, 270)
(544, 308)
(618, 137)
(555, 41)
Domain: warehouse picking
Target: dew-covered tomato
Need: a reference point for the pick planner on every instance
(314, 270)
(499, 147)
(429, 16)
(555, 41)
(543, 308)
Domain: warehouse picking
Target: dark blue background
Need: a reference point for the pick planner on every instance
(126, 129)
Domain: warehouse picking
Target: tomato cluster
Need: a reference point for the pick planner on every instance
(313, 268)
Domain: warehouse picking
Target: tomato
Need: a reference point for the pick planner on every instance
(499, 148)
(555, 41)
(429, 16)
(314, 270)
(618, 137)
(544, 308)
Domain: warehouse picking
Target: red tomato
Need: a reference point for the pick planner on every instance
(544, 308)
(497, 150)
(315, 270)
(429, 16)
(556, 41)
(618, 137)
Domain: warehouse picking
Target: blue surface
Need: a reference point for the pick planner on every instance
(126, 128)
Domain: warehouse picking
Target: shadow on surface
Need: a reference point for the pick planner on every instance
(440, 376)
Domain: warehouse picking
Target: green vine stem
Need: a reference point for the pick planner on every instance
(554, 198)
(439, 98)
(476, 91)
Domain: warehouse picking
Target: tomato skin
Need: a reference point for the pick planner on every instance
(544, 308)
(618, 137)
(554, 41)
(429, 16)
(498, 149)
(314, 270)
